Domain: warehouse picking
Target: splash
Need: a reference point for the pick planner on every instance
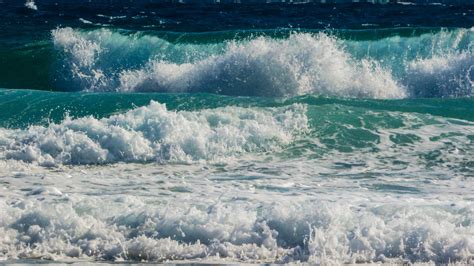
(430, 65)
(302, 64)
(31, 5)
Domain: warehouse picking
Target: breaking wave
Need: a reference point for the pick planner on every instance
(152, 133)
(303, 63)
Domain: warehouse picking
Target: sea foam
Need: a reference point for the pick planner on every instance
(301, 64)
(122, 228)
(152, 133)
(323, 183)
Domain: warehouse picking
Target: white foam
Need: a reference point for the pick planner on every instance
(152, 133)
(100, 228)
(446, 75)
(301, 64)
(31, 5)
(84, 53)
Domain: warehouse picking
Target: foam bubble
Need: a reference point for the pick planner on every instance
(398, 192)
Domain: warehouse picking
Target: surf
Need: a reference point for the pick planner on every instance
(303, 63)
(437, 64)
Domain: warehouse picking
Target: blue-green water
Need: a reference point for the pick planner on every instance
(251, 133)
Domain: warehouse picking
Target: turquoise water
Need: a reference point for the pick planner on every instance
(314, 133)
(22, 108)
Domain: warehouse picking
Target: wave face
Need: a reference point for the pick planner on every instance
(430, 65)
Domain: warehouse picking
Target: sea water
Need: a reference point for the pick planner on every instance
(263, 133)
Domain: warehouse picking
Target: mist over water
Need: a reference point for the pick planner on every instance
(221, 133)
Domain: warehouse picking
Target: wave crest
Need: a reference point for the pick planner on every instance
(302, 64)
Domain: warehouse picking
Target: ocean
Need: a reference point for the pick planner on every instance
(320, 133)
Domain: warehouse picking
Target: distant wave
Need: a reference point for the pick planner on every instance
(407, 2)
(318, 64)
